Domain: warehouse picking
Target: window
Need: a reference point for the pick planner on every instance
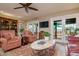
(44, 24)
(71, 21)
(70, 26)
(33, 27)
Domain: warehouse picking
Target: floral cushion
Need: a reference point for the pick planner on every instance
(8, 35)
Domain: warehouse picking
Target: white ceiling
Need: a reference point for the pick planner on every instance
(44, 9)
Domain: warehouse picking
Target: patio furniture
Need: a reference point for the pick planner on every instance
(73, 46)
(43, 47)
(9, 40)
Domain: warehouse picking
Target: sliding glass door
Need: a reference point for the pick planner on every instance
(57, 29)
(64, 28)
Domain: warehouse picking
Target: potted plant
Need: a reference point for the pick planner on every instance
(77, 32)
(21, 31)
(46, 35)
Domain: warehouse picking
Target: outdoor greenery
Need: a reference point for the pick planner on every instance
(47, 34)
(75, 31)
(21, 30)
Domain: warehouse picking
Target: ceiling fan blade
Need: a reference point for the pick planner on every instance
(28, 4)
(22, 4)
(18, 7)
(33, 8)
(26, 10)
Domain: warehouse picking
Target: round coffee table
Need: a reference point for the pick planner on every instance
(42, 47)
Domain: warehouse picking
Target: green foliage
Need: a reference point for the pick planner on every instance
(46, 34)
(77, 31)
(22, 29)
(74, 32)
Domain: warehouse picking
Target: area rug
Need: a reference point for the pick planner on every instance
(21, 51)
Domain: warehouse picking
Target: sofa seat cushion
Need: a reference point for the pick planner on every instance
(12, 41)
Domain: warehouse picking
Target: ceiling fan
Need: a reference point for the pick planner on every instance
(26, 6)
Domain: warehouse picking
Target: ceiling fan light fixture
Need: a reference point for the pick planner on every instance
(26, 6)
